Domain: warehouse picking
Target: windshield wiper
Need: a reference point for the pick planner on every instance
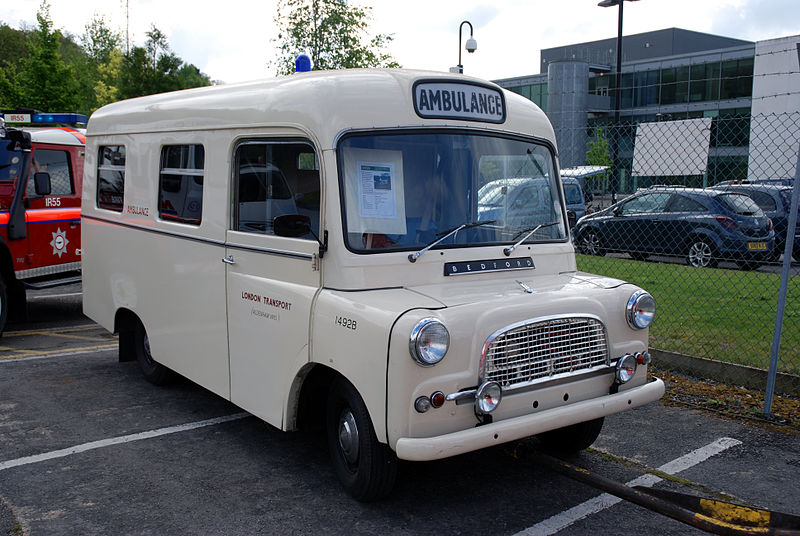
(412, 257)
(510, 249)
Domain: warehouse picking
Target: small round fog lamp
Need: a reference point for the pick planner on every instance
(488, 397)
(626, 368)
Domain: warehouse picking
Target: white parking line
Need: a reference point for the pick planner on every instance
(606, 500)
(118, 440)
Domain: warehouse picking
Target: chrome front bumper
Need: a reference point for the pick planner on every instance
(453, 444)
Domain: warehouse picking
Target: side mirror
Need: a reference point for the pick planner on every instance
(41, 183)
(572, 218)
(291, 225)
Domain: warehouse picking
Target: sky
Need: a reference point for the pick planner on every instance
(233, 40)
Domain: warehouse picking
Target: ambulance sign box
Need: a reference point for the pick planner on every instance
(324, 248)
(459, 100)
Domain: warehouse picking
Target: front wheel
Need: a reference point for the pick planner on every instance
(572, 439)
(154, 372)
(366, 468)
(701, 253)
(590, 244)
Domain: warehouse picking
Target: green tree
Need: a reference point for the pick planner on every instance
(46, 82)
(155, 69)
(333, 33)
(13, 53)
(599, 154)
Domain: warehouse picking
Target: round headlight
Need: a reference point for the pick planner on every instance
(429, 342)
(640, 310)
(626, 368)
(488, 397)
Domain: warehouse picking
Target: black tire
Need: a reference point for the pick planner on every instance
(153, 372)
(3, 305)
(701, 253)
(572, 439)
(590, 243)
(795, 251)
(366, 468)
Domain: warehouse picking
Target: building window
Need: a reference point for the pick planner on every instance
(269, 182)
(180, 184)
(110, 177)
(56, 164)
(737, 79)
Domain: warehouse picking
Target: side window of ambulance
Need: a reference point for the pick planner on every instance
(275, 178)
(56, 163)
(110, 176)
(180, 184)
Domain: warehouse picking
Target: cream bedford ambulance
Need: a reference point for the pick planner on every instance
(333, 247)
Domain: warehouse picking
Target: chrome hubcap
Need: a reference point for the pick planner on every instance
(348, 436)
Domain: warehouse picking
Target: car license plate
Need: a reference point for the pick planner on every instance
(757, 245)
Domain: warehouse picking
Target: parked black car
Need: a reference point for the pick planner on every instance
(702, 225)
(775, 199)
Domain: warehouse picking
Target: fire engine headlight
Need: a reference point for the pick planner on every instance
(429, 342)
(488, 397)
(640, 310)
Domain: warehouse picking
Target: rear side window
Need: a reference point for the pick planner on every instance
(740, 204)
(110, 177)
(681, 203)
(763, 200)
(180, 185)
(56, 164)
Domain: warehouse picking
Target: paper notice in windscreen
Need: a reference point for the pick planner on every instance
(376, 190)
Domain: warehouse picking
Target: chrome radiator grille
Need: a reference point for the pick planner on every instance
(522, 353)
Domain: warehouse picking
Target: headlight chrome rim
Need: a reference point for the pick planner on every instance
(641, 310)
(426, 356)
(625, 369)
(488, 397)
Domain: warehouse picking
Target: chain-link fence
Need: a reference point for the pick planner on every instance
(696, 211)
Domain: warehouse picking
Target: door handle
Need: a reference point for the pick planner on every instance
(228, 260)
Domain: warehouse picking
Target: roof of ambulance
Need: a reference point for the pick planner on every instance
(324, 103)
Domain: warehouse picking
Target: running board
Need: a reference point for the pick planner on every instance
(50, 284)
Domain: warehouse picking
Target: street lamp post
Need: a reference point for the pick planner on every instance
(617, 95)
(471, 45)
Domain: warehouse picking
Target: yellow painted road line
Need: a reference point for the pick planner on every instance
(26, 355)
(42, 331)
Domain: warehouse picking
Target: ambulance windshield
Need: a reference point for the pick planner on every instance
(403, 191)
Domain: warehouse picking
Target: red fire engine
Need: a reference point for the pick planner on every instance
(41, 173)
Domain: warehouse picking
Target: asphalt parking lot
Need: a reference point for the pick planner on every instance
(87, 446)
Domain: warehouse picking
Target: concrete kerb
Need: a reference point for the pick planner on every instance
(750, 377)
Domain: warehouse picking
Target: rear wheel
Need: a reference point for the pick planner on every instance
(701, 253)
(572, 439)
(366, 468)
(154, 372)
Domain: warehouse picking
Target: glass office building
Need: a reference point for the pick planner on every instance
(666, 75)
